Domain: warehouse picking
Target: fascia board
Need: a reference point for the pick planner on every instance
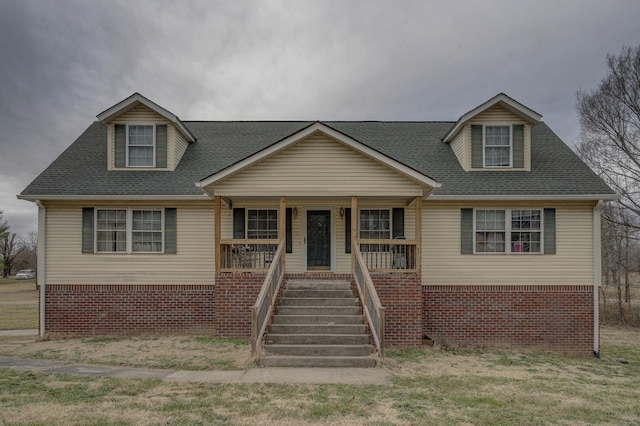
(558, 197)
(113, 197)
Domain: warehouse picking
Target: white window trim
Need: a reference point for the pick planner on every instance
(388, 209)
(129, 229)
(484, 146)
(246, 221)
(507, 231)
(154, 145)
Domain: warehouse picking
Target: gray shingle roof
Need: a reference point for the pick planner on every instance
(82, 168)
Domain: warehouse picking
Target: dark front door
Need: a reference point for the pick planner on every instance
(318, 239)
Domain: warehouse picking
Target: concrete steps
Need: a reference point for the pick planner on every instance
(318, 325)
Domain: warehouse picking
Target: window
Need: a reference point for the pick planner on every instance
(375, 224)
(490, 231)
(523, 231)
(146, 231)
(111, 231)
(129, 230)
(140, 146)
(262, 224)
(497, 146)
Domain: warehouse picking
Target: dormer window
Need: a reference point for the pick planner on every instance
(140, 146)
(497, 146)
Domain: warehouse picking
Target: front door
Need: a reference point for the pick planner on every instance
(318, 240)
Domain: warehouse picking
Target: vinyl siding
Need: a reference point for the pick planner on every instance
(181, 146)
(193, 263)
(443, 264)
(498, 115)
(318, 166)
(458, 147)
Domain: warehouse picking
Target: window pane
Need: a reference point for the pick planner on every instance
(375, 224)
(111, 226)
(497, 152)
(526, 233)
(262, 224)
(146, 235)
(140, 146)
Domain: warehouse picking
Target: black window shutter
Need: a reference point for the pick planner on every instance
(87, 229)
(289, 231)
(466, 231)
(518, 146)
(347, 230)
(161, 146)
(398, 223)
(120, 145)
(238, 224)
(549, 231)
(170, 231)
(476, 146)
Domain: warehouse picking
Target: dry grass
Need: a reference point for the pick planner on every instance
(18, 304)
(430, 386)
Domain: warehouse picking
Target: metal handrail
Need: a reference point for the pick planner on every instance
(263, 308)
(373, 309)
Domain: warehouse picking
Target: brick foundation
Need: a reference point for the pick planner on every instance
(401, 295)
(559, 318)
(235, 294)
(96, 309)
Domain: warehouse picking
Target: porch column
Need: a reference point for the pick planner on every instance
(216, 230)
(418, 235)
(354, 230)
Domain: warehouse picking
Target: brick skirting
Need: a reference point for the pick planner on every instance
(401, 295)
(559, 318)
(97, 309)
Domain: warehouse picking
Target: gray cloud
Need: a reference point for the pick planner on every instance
(63, 62)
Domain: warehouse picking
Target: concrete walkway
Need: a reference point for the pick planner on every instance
(312, 376)
(28, 332)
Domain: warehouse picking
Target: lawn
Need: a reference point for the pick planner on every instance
(18, 304)
(430, 386)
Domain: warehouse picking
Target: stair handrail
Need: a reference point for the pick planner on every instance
(262, 310)
(373, 309)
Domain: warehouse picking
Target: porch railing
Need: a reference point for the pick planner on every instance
(373, 309)
(382, 255)
(263, 308)
(247, 255)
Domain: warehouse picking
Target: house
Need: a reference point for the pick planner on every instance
(480, 231)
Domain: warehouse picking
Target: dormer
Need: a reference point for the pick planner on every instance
(142, 135)
(494, 136)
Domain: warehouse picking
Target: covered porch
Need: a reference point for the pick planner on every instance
(318, 235)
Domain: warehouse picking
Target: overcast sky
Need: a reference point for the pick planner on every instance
(64, 62)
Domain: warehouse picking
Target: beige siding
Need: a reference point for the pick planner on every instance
(458, 147)
(497, 115)
(318, 166)
(442, 262)
(181, 146)
(193, 263)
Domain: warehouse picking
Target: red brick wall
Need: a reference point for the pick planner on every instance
(114, 309)
(235, 294)
(543, 317)
(401, 295)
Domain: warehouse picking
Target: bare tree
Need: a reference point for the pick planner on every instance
(10, 249)
(610, 144)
